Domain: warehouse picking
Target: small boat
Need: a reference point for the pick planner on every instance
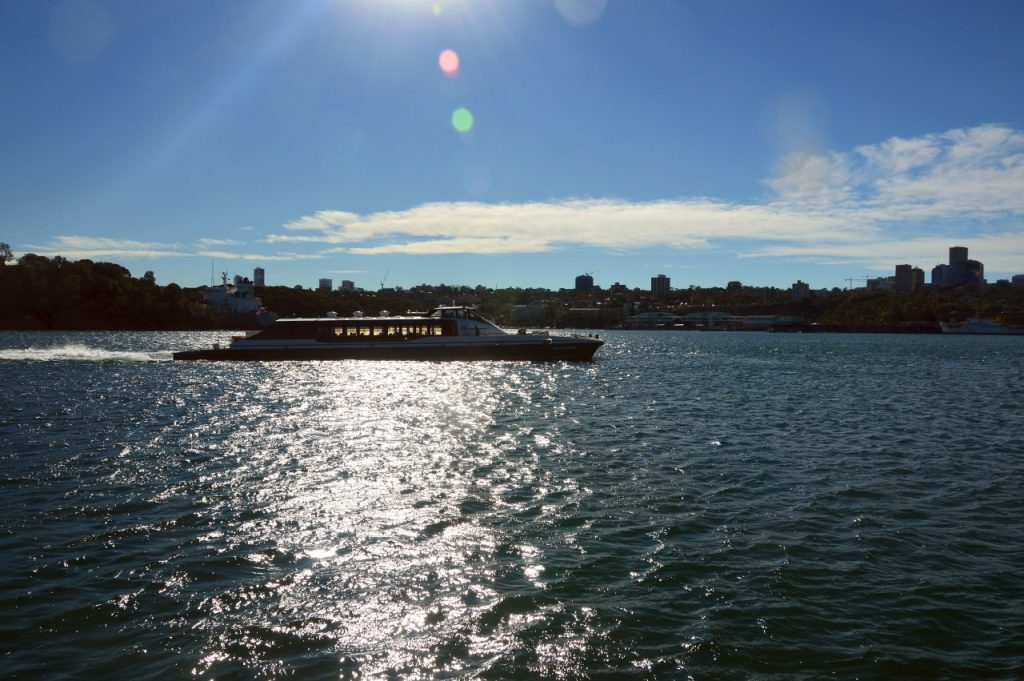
(987, 327)
(445, 333)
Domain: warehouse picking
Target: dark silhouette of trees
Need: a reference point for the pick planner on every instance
(44, 293)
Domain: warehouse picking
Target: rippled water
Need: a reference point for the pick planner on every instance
(688, 505)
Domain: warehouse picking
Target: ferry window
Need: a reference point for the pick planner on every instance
(339, 331)
(377, 331)
(364, 331)
(350, 330)
(436, 331)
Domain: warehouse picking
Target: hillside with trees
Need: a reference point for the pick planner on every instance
(45, 293)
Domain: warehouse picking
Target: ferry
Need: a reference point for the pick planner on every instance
(444, 333)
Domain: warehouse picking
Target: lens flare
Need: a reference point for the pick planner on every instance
(462, 120)
(436, 9)
(580, 12)
(449, 63)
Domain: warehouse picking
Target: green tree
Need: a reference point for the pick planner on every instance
(5, 254)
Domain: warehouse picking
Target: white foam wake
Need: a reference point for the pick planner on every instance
(82, 353)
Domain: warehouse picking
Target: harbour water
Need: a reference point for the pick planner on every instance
(689, 505)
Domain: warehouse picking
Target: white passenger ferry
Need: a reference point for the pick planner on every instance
(445, 333)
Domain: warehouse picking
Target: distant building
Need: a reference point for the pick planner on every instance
(584, 282)
(904, 281)
(801, 290)
(618, 288)
(957, 255)
(529, 315)
(961, 270)
(347, 285)
(325, 285)
(647, 320)
(1017, 281)
(918, 276)
(257, 276)
(972, 274)
(660, 286)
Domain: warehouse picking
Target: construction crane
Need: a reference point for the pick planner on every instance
(853, 279)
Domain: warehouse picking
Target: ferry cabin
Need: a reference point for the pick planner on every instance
(441, 322)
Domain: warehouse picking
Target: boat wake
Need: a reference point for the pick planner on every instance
(81, 353)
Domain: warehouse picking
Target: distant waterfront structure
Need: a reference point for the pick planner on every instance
(801, 290)
(660, 286)
(347, 285)
(325, 285)
(257, 276)
(584, 282)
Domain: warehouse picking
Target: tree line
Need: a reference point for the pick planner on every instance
(55, 293)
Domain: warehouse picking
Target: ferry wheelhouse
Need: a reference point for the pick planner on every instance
(445, 333)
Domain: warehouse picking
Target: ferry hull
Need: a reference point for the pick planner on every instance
(581, 349)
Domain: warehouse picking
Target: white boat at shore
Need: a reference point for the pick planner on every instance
(981, 327)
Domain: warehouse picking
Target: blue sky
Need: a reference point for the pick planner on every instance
(712, 140)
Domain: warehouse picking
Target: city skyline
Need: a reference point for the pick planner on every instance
(507, 144)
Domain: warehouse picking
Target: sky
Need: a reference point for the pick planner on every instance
(514, 142)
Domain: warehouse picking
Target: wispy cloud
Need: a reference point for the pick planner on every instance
(279, 257)
(220, 242)
(77, 247)
(1004, 251)
(901, 200)
(72, 246)
(471, 227)
(874, 204)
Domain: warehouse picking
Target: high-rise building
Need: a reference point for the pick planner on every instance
(325, 285)
(347, 285)
(257, 276)
(584, 282)
(957, 255)
(800, 290)
(918, 276)
(904, 281)
(961, 271)
(660, 286)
